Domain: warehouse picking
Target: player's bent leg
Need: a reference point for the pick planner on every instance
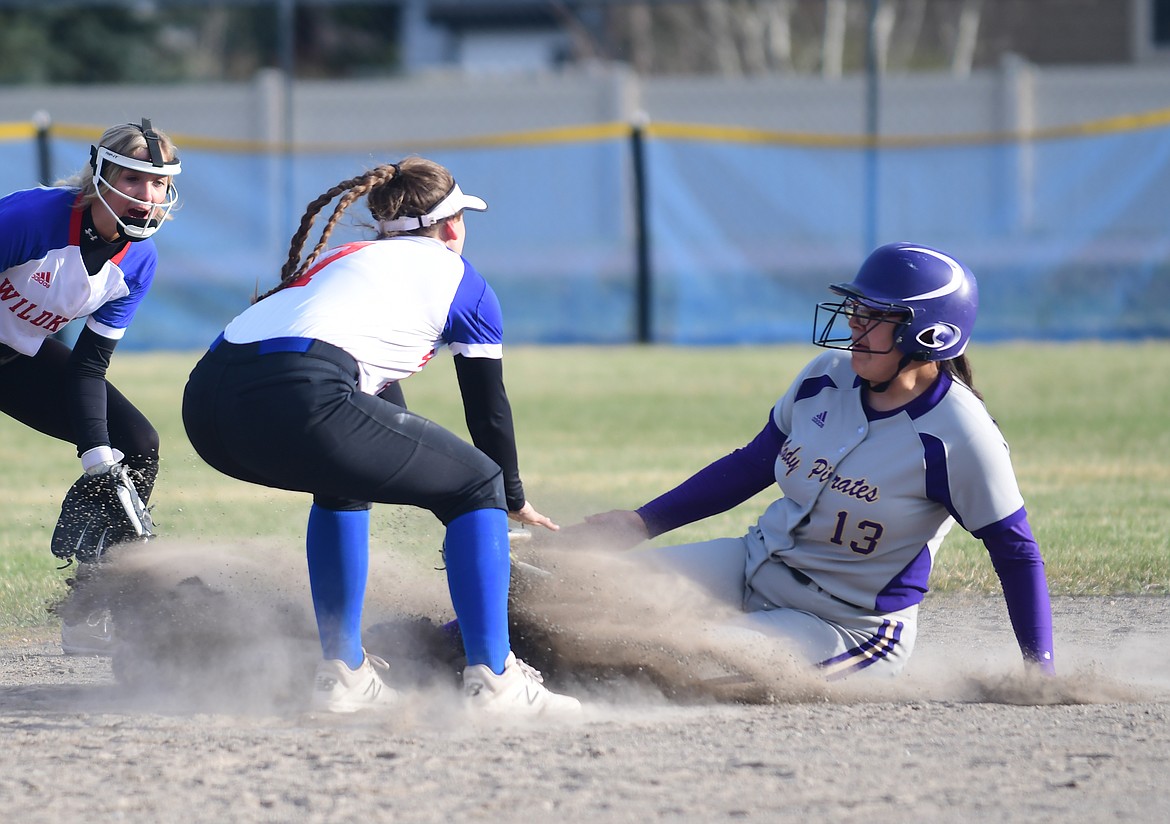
(841, 639)
(872, 651)
(337, 551)
(846, 645)
(478, 563)
(716, 566)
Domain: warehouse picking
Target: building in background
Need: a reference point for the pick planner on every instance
(758, 36)
(99, 41)
(662, 188)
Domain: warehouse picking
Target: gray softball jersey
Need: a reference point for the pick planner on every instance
(869, 496)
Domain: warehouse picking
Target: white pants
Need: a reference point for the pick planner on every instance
(837, 638)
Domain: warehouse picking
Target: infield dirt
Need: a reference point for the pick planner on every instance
(206, 719)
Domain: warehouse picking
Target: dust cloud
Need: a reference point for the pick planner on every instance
(208, 627)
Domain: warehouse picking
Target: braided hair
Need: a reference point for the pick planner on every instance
(410, 187)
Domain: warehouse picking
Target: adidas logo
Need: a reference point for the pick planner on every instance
(43, 278)
(819, 419)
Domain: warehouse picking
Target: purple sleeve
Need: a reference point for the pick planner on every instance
(1017, 561)
(726, 483)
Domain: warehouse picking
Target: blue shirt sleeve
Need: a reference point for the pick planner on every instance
(33, 221)
(138, 266)
(475, 318)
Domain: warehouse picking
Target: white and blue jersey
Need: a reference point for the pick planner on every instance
(390, 303)
(44, 282)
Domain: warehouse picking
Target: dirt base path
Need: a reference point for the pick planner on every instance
(963, 736)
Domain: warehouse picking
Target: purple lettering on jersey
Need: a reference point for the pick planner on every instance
(821, 470)
(790, 458)
(858, 488)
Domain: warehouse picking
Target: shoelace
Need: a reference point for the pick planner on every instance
(530, 671)
(378, 663)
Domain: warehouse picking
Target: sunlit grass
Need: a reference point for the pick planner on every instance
(611, 427)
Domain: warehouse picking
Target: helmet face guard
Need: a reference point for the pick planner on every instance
(101, 159)
(872, 314)
(930, 297)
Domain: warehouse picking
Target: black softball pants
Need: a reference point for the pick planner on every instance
(296, 420)
(33, 391)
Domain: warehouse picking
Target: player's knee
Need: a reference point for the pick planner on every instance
(341, 504)
(484, 492)
(142, 442)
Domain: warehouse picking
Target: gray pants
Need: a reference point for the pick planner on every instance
(837, 638)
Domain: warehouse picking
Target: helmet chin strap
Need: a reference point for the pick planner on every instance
(884, 385)
(123, 226)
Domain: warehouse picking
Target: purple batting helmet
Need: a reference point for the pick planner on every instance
(931, 297)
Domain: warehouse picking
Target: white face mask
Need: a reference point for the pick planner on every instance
(130, 227)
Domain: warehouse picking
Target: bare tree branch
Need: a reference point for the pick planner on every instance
(966, 37)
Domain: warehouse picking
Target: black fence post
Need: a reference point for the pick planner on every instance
(44, 149)
(644, 291)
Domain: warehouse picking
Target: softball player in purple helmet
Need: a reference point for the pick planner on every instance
(301, 392)
(879, 448)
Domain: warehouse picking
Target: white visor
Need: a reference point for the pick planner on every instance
(169, 169)
(454, 203)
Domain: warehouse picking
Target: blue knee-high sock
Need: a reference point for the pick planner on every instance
(337, 546)
(478, 573)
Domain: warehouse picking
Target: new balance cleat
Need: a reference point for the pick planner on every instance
(337, 688)
(520, 690)
(92, 635)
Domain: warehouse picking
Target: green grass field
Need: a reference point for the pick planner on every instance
(604, 428)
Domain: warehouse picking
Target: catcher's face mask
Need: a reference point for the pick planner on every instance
(113, 172)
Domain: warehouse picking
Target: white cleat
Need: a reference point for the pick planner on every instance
(520, 690)
(337, 688)
(92, 635)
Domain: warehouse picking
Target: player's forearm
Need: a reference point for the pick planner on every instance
(488, 414)
(86, 389)
(726, 483)
(1020, 567)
